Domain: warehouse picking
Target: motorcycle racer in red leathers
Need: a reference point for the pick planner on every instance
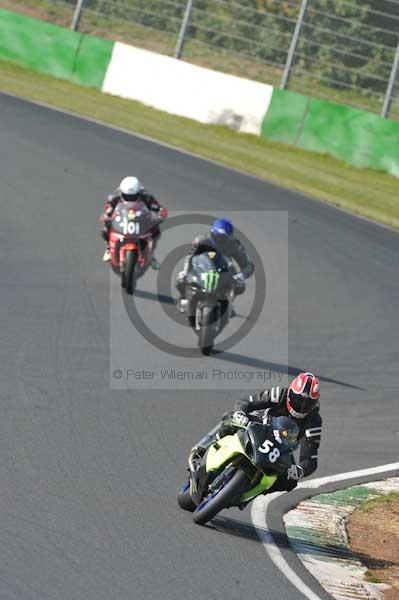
(131, 190)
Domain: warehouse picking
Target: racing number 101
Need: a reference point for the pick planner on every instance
(130, 227)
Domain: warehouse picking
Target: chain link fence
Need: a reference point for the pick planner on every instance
(342, 50)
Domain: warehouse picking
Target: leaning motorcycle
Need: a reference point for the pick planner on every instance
(209, 294)
(237, 468)
(130, 242)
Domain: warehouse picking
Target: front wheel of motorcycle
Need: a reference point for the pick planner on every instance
(227, 494)
(208, 325)
(129, 274)
(184, 498)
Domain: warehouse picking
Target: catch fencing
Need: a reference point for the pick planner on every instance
(342, 50)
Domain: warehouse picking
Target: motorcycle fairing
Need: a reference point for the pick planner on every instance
(223, 451)
(264, 484)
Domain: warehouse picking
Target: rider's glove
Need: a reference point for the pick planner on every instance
(295, 472)
(239, 284)
(239, 277)
(181, 276)
(163, 212)
(239, 419)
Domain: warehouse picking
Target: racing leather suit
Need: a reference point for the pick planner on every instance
(273, 401)
(232, 249)
(111, 203)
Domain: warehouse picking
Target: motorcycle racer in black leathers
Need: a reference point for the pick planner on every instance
(300, 401)
(221, 238)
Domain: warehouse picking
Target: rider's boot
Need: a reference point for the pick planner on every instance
(107, 255)
(181, 288)
(182, 305)
(155, 264)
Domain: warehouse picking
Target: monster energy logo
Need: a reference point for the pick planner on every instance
(211, 280)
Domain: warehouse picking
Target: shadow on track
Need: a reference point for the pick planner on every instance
(162, 298)
(233, 527)
(240, 359)
(256, 363)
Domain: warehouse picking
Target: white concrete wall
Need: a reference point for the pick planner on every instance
(184, 89)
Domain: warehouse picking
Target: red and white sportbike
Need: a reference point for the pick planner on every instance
(130, 241)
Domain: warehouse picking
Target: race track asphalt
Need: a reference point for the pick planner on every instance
(89, 475)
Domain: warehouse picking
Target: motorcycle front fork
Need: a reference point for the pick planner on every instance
(218, 320)
(212, 436)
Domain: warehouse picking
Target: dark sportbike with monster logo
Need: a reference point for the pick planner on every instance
(209, 293)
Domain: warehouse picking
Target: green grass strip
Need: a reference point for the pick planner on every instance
(375, 502)
(362, 191)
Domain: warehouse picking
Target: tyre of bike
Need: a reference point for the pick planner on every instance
(129, 273)
(206, 336)
(225, 496)
(184, 498)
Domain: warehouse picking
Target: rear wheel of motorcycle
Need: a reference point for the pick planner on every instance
(129, 274)
(207, 334)
(184, 499)
(224, 497)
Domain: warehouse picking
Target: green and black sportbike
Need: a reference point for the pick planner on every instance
(237, 468)
(209, 293)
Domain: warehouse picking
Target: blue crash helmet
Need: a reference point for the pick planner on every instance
(222, 229)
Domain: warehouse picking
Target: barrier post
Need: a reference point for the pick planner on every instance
(183, 29)
(293, 45)
(76, 15)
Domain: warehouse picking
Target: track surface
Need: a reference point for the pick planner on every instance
(89, 476)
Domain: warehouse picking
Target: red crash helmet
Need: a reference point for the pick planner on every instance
(303, 395)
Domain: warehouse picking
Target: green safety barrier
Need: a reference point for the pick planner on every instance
(361, 138)
(54, 50)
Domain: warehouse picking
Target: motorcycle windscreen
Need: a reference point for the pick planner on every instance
(210, 272)
(132, 219)
(210, 261)
(270, 445)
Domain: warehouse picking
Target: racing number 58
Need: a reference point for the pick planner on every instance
(268, 448)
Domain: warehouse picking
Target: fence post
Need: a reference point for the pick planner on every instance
(77, 14)
(293, 45)
(183, 28)
(386, 109)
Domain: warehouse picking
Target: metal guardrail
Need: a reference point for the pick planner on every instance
(317, 47)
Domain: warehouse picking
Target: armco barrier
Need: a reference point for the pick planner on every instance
(283, 122)
(53, 50)
(360, 138)
(187, 90)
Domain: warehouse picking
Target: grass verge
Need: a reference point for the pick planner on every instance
(361, 191)
(115, 23)
(380, 500)
(373, 531)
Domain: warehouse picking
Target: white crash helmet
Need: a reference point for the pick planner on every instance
(129, 189)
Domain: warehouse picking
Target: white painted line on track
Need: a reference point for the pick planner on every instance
(315, 483)
(258, 516)
(259, 520)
